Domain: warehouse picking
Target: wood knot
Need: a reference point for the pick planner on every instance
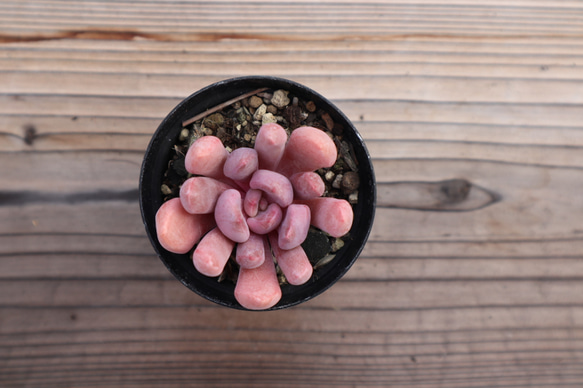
(446, 195)
(455, 190)
(30, 134)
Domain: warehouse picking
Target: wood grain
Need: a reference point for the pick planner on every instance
(479, 287)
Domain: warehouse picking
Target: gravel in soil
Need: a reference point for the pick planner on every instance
(237, 125)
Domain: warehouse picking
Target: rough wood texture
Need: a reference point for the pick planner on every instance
(472, 112)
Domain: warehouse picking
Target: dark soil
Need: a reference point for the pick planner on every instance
(237, 125)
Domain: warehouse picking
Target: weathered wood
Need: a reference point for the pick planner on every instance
(471, 112)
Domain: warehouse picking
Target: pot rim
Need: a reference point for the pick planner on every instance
(150, 199)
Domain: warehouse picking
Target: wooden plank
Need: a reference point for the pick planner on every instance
(482, 89)
(517, 114)
(70, 172)
(22, 320)
(480, 292)
(103, 131)
(296, 66)
(346, 295)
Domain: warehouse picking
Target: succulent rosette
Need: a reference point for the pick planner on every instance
(258, 203)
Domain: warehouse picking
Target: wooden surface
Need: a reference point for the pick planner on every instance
(478, 288)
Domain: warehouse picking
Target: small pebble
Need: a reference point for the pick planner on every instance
(241, 115)
(328, 120)
(258, 115)
(295, 101)
(329, 176)
(337, 181)
(280, 99)
(165, 190)
(184, 134)
(271, 109)
(325, 260)
(350, 181)
(255, 102)
(268, 118)
(353, 197)
(214, 121)
(310, 106)
(337, 244)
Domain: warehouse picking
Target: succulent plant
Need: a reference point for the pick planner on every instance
(259, 201)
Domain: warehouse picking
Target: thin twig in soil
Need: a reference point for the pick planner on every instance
(221, 106)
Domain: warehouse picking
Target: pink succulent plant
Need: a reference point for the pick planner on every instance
(260, 201)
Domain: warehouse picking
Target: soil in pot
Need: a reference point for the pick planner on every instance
(237, 122)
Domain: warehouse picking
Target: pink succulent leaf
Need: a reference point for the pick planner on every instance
(254, 198)
(206, 156)
(308, 149)
(178, 230)
(240, 165)
(258, 288)
(212, 253)
(307, 185)
(269, 144)
(263, 204)
(333, 216)
(251, 202)
(251, 253)
(294, 262)
(229, 216)
(266, 221)
(199, 195)
(276, 187)
(293, 230)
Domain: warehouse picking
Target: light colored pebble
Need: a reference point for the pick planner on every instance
(258, 115)
(280, 99)
(184, 134)
(337, 244)
(337, 181)
(324, 260)
(329, 176)
(165, 190)
(268, 118)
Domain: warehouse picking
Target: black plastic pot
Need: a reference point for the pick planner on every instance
(156, 161)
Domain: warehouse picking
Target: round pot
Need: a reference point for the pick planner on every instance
(156, 161)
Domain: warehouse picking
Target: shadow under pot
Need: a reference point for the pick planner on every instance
(257, 193)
